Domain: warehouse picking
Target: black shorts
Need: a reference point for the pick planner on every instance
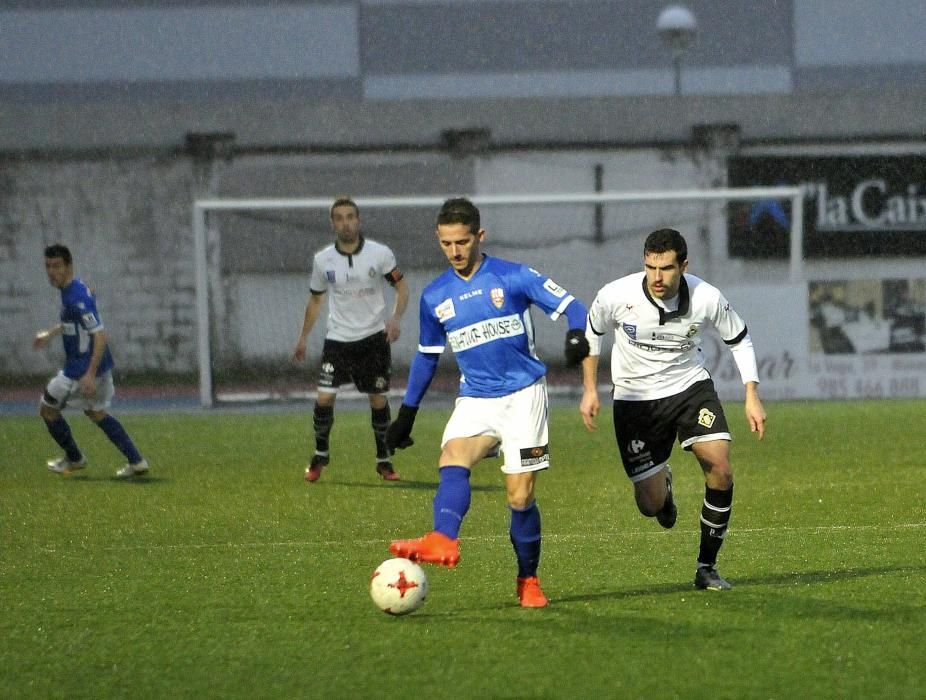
(646, 430)
(367, 363)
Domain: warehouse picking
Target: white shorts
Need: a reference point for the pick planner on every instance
(519, 421)
(62, 390)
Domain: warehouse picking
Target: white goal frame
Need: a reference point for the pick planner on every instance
(202, 207)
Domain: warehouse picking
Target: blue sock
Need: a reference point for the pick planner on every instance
(117, 436)
(451, 500)
(61, 432)
(525, 537)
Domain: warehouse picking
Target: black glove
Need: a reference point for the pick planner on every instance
(576, 347)
(399, 432)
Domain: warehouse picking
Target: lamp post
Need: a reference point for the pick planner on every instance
(677, 27)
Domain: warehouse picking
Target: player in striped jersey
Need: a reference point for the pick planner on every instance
(480, 308)
(663, 391)
(356, 271)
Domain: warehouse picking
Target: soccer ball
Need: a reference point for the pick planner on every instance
(398, 586)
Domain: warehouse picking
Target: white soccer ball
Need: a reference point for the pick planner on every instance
(398, 586)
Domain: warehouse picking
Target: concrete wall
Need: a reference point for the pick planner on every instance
(128, 221)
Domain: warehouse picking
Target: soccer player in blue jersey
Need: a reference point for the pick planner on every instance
(86, 381)
(480, 307)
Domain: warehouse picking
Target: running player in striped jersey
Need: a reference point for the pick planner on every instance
(662, 390)
(480, 308)
(357, 349)
(86, 380)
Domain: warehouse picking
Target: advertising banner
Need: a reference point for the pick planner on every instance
(853, 206)
(829, 340)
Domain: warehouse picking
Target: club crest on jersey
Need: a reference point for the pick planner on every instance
(630, 329)
(445, 310)
(372, 273)
(706, 418)
(330, 275)
(497, 294)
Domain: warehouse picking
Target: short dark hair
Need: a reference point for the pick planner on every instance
(343, 201)
(665, 239)
(460, 210)
(59, 250)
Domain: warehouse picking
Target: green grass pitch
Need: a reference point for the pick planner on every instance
(225, 575)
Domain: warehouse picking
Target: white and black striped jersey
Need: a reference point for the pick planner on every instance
(357, 285)
(656, 351)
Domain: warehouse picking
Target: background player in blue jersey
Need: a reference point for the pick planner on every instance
(480, 307)
(86, 381)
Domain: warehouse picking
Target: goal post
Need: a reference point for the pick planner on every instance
(207, 239)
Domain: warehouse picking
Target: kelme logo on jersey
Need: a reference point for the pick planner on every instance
(498, 297)
(372, 273)
(706, 418)
(630, 330)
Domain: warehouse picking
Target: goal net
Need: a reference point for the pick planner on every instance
(254, 256)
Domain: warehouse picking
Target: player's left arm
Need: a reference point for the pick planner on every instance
(556, 302)
(87, 381)
(394, 322)
(744, 355)
(735, 335)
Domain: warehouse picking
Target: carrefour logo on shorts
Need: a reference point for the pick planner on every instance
(485, 332)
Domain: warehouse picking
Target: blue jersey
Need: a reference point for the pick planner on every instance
(79, 318)
(486, 322)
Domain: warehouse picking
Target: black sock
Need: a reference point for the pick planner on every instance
(715, 515)
(379, 419)
(322, 420)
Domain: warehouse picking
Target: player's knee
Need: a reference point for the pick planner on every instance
(94, 415)
(48, 413)
(649, 497)
(718, 474)
(520, 492)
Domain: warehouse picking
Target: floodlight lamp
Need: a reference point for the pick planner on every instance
(677, 26)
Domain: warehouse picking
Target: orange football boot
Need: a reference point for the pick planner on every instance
(530, 594)
(433, 548)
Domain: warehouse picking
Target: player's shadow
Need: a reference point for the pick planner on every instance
(796, 578)
(141, 480)
(410, 484)
(112, 479)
